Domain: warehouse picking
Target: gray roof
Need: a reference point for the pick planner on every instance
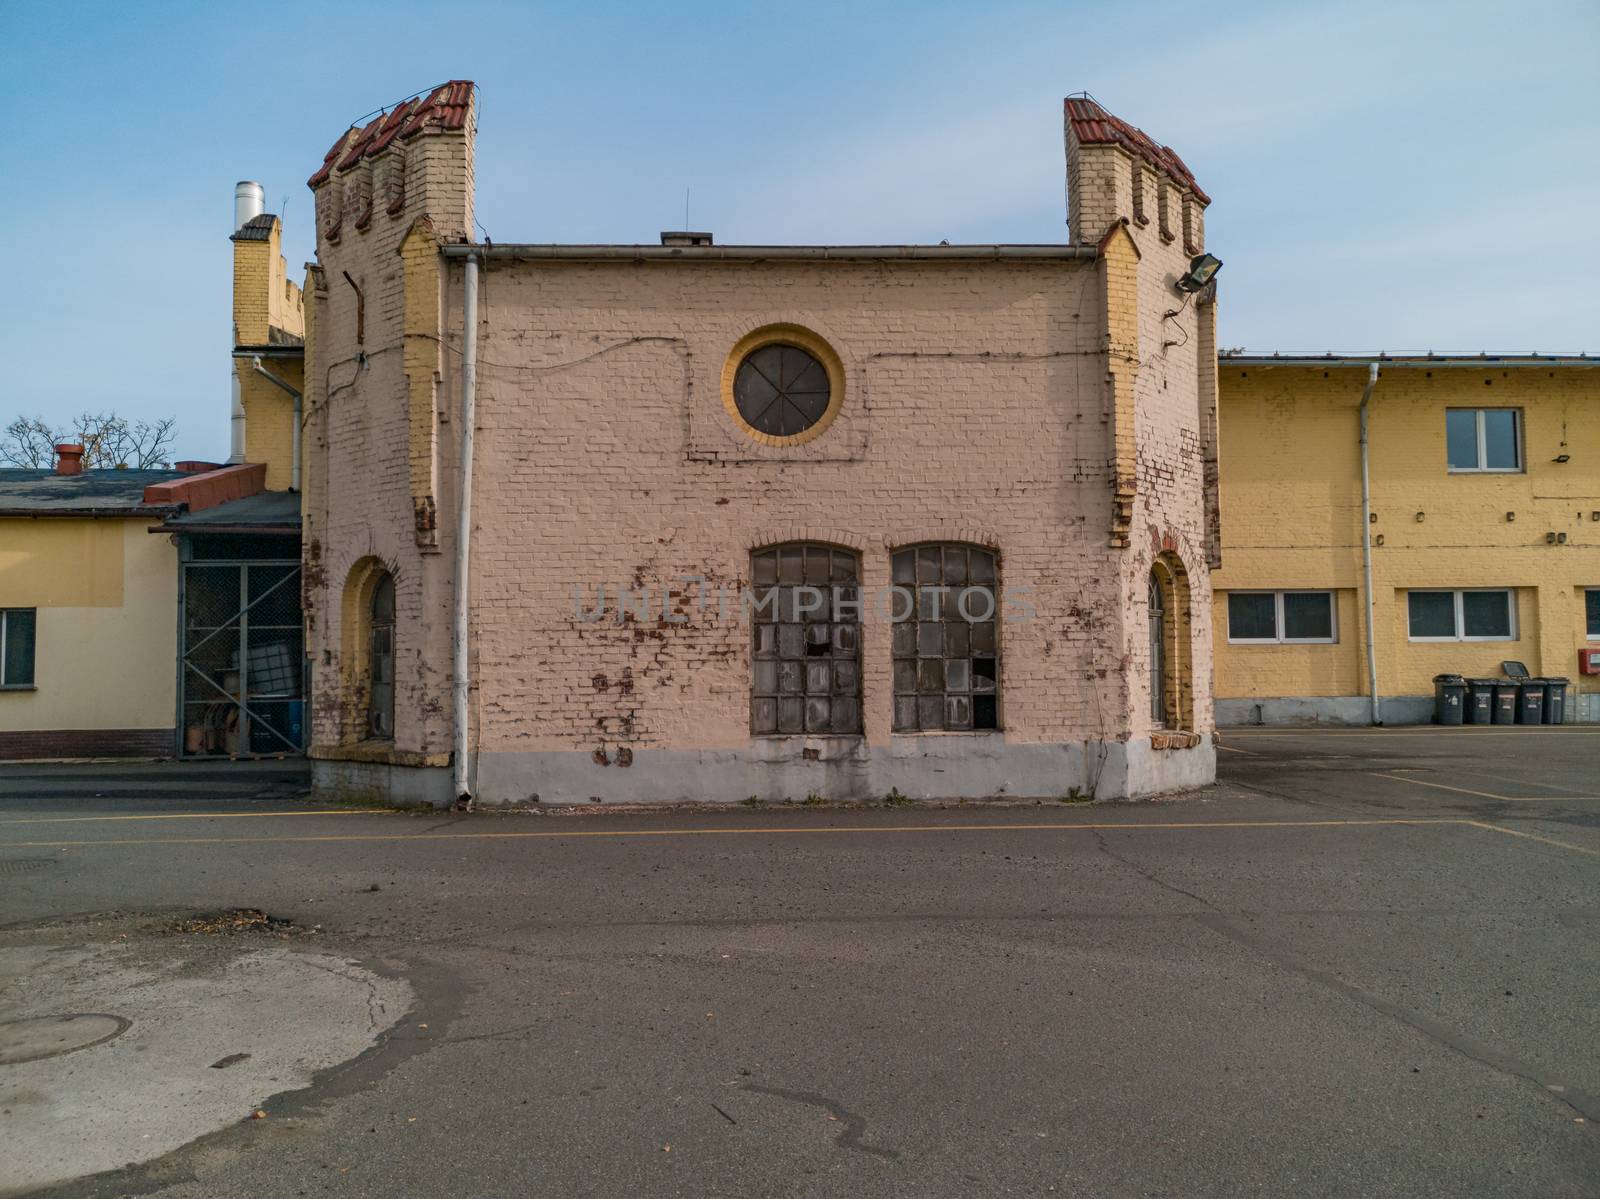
(266, 511)
(1364, 358)
(92, 493)
(257, 228)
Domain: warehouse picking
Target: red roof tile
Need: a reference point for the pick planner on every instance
(1092, 125)
(442, 109)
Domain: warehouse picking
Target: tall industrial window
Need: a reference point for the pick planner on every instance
(1483, 439)
(1591, 613)
(16, 646)
(945, 639)
(380, 661)
(1484, 615)
(1157, 626)
(1274, 617)
(805, 641)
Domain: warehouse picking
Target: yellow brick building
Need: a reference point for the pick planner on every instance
(156, 612)
(1483, 518)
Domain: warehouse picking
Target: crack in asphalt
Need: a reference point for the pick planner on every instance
(1148, 876)
(1579, 1101)
(854, 1125)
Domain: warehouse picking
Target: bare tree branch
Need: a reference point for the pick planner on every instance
(109, 441)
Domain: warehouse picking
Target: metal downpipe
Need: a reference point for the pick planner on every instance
(460, 781)
(1366, 545)
(294, 462)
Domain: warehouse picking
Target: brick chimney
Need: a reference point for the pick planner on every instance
(69, 459)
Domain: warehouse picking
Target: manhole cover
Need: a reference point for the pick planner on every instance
(24, 865)
(51, 1036)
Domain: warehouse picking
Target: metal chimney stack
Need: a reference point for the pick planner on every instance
(249, 202)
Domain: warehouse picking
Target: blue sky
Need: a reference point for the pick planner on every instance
(1384, 175)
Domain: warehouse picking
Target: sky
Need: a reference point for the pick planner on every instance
(1384, 176)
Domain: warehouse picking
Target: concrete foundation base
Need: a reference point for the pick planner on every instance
(379, 782)
(1334, 710)
(957, 765)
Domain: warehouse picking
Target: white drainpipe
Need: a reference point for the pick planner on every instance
(1366, 547)
(236, 444)
(469, 389)
(294, 459)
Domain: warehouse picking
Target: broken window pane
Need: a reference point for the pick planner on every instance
(805, 672)
(946, 649)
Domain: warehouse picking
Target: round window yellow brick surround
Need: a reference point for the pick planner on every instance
(792, 335)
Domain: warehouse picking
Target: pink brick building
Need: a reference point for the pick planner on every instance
(772, 521)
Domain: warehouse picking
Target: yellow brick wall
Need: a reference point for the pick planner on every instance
(269, 417)
(1291, 516)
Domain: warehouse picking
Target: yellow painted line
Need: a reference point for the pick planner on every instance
(1511, 832)
(1419, 731)
(545, 834)
(1400, 778)
(202, 816)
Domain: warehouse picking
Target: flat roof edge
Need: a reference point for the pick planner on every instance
(1412, 360)
(642, 253)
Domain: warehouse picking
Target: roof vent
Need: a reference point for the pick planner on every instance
(685, 239)
(249, 202)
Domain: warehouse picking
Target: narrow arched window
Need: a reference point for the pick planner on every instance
(805, 622)
(1160, 684)
(380, 660)
(945, 639)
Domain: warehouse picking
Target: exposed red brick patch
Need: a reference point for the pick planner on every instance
(88, 743)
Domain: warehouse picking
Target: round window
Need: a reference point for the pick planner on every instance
(781, 390)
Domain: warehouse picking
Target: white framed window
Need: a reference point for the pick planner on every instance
(1282, 617)
(1483, 440)
(1474, 614)
(1591, 613)
(17, 627)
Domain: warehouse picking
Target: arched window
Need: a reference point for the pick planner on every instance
(1171, 651)
(380, 660)
(945, 640)
(805, 659)
(1159, 684)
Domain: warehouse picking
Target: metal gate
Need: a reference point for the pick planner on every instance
(241, 685)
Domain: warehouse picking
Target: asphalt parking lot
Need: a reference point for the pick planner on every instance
(1365, 963)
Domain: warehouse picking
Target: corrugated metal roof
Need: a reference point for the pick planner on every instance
(444, 108)
(1092, 125)
(92, 493)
